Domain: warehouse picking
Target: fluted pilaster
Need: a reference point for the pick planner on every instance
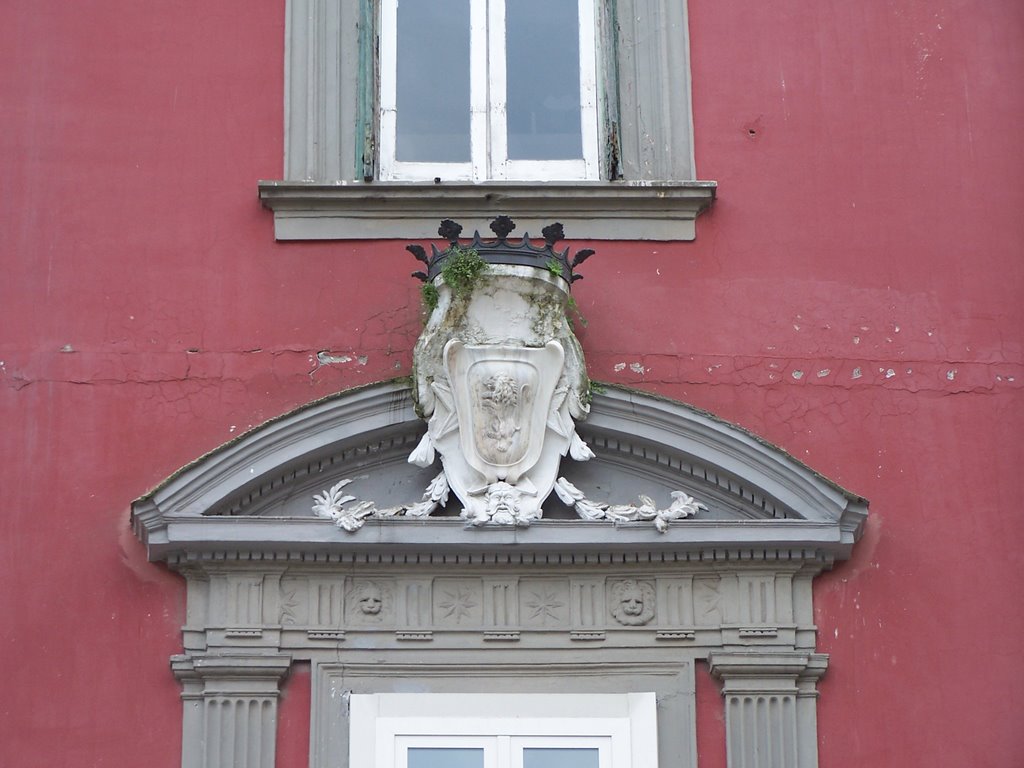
(770, 707)
(229, 703)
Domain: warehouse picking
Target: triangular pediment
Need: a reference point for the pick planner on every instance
(256, 492)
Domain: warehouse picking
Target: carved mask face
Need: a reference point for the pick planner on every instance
(633, 603)
(502, 498)
(371, 602)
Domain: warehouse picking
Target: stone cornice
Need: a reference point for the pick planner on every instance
(448, 539)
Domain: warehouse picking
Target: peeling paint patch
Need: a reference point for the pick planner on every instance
(890, 373)
(636, 368)
(67, 348)
(798, 375)
(823, 373)
(620, 367)
(857, 373)
(326, 358)
(856, 339)
(950, 375)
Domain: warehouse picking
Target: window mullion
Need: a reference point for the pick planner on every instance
(505, 759)
(497, 149)
(588, 89)
(478, 87)
(388, 87)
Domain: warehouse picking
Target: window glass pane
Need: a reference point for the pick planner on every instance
(432, 98)
(543, 79)
(445, 757)
(546, 757)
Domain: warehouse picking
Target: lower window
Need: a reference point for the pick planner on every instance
(501, 752)
(396, 730)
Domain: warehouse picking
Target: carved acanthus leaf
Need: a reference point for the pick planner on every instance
(682, 506)
(330, 504)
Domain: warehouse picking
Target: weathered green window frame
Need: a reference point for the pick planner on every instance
(329, 191)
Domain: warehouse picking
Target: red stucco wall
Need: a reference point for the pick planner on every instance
(869, 221)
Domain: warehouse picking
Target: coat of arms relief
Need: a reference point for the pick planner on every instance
(501, 381)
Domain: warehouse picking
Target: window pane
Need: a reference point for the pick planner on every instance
(432, 98)
(543, 79)
(560, 758)
(445, 757)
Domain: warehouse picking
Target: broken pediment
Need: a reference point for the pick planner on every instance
(257, 492)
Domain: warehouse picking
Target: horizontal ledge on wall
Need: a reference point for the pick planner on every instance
(314, 210)
(447, 538)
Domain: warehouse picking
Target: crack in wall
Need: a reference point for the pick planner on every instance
(360, 365)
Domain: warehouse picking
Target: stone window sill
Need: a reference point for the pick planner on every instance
(313, 210)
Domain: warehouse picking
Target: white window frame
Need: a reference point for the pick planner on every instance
(499, 751)
(623, 727)
(488, 124)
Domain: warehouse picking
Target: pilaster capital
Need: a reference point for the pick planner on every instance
(767, 672)
(232, 674)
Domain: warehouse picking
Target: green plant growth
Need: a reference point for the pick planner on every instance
(593, 388)
(461, 270)
(554, 267)
(574, 313)
(429, 295)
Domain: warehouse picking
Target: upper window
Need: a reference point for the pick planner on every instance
(488, 89)
(399, 113)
